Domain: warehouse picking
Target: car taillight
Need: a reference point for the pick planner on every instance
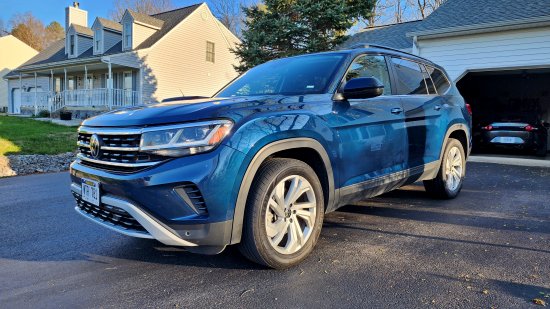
(530, 128)
(487, 128)
(469, 109)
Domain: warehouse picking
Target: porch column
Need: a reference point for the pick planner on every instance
(85, 96)
(110, 87)
(51, 93)
(65, 87)
(140, 87)
(35, 95)
(20, 93)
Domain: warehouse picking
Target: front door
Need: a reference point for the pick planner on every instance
(16, 99)
(371, 133)
(127, 87)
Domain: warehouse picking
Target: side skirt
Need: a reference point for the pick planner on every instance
(386, 183)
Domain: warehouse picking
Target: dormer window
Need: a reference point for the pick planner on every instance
(97, 39)
(127, 35)
(71, 45)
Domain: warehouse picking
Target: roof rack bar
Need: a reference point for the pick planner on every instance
(369, 45)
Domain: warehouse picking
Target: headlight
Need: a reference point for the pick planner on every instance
(185, 139)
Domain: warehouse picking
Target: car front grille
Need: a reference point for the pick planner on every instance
(119, 150)
(110, 214)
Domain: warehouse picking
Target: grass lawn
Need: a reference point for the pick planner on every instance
(27, 136)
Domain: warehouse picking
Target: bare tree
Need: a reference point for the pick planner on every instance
(379, 13)
(229, 13)
(399, 10)
(3, 30)
(425, 7)
(148, 7)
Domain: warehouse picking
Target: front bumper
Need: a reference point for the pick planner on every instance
(147, 204)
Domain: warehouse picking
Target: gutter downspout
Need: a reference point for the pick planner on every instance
(35, 95)
(415, 50)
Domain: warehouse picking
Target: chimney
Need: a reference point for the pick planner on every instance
(75, 15)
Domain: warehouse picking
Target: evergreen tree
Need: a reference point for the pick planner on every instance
(282, 28)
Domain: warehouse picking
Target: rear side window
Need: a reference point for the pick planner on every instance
(371, 66)
(440, 80)
(410, 78)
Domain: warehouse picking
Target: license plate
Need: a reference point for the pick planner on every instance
(507, 140)
(90, 191)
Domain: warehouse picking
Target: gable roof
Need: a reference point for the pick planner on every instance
(56, 51)
(170, 19)
(456, 15)
(109, 24)
(470, 13)
(393, 36)
(82, 30)
(146, 19)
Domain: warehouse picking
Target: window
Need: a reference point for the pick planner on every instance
(71, 45)
(210, 52)
(441, 82)
(370, 66)
(97, 37)
(410, 78)
(71, 83)
(311, 74)
(127, 35)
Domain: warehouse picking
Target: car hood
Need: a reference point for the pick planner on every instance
(174, 112)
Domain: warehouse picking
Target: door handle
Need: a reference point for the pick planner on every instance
(396, 110)
(437, 107)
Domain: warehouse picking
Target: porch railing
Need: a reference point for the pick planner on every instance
(99, 98)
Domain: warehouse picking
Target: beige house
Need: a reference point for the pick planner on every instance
(141, 59)
(13, 53)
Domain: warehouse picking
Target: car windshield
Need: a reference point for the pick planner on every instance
(302, 75)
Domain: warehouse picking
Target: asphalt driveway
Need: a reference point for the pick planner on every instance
(490, 247)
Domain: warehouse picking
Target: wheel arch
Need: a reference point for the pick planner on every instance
(279, 149)
(459, 131)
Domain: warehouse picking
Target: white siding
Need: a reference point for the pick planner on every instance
(13, 53)
(506, 49)
(140, 33)
(177, 64)
(110, 39)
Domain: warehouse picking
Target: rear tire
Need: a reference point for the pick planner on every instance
(281, 228)
(448, 182)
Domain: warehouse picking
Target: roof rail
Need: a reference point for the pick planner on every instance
(369, 45)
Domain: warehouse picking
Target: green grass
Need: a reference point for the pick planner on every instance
(27, 136)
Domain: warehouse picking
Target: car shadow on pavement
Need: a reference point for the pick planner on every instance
(152, 251)
(527, 292)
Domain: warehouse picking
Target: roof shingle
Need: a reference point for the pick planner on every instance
(393, 36)
(109, 24)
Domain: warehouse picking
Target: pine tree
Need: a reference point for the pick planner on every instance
(282, 28)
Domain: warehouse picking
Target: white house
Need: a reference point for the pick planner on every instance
(497, 51)
(13, 53)
(141, 59)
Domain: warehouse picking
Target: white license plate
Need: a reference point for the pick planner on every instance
(90, 191)
(508, 140)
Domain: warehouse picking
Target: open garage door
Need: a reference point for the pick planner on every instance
(508, 101)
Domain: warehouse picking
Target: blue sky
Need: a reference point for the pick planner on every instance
(50, 10)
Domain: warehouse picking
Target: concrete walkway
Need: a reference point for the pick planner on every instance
(67, 123)
(539, 162)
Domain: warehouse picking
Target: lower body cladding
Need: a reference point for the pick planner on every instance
(162, 203)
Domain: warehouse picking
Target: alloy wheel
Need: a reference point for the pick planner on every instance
(453, 169)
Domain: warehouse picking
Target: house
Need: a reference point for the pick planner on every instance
(13, 53)
(497, 52)
(141, 59)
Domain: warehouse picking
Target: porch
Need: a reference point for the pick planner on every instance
(97, 87)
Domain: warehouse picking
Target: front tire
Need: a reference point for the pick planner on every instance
(284, 214)
(448, 182)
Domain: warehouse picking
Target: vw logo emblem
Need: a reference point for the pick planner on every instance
(95, 146)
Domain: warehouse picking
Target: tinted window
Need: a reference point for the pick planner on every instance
(428, 80)
(310, 74)
(441, 82)
(410, 79)
(371, 66)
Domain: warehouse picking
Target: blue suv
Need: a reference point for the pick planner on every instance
(262, 161)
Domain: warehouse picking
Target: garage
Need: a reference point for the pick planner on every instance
(505, 97)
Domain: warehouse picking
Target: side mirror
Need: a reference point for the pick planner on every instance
(363, 88)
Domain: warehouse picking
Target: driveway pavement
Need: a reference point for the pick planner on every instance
(490, 247)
